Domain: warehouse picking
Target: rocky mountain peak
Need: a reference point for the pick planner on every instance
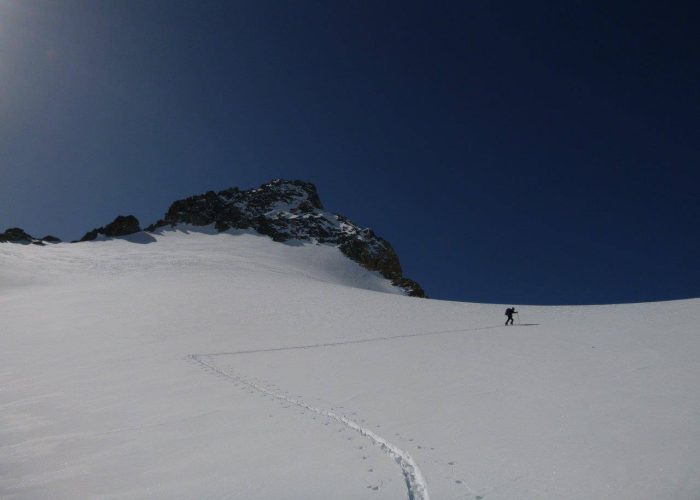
(290, 210)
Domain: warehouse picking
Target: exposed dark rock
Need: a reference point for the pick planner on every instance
(411, 287)
(375, 255)
(16, 235)
(121, 226)
(160, 223)
(289, 210)
(91, 235)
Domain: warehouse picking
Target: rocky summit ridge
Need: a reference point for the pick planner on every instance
(19, 235)
(284, 210)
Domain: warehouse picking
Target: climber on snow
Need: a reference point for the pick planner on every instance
(509, 312)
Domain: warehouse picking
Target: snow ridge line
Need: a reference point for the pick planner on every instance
(415, 481)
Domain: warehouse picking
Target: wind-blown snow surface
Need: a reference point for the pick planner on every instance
(230, 366)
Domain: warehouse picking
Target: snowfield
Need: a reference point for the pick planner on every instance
(187, 365)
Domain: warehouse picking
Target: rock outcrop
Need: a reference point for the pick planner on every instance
(290, 210)
(123, 225)
(19, 235)
(16, 235)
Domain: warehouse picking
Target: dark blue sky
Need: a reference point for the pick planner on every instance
(524, 152)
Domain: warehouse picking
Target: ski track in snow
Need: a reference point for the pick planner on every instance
(415, 482)
(358, 341)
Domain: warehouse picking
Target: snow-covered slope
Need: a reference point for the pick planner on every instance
(181, 364)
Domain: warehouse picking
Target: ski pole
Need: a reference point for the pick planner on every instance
(518, 317)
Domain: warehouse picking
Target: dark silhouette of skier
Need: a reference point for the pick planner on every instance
(509, 312)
